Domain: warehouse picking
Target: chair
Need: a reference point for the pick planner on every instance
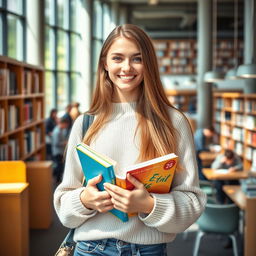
(12, 172)
(208, 188)
(219, 219)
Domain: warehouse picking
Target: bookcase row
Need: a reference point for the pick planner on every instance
(18, 112)
(184, 100)
(17, 80)
(22, 130)
(179, 56)
(235, 124)
(23, 143)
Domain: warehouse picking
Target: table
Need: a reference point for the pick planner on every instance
(210, 174)
(14, 220)
(248, 205)
(207, 157)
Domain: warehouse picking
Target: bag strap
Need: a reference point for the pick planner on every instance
(87, 121)
(68, 242)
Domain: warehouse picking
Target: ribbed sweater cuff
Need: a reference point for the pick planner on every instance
(159, 210)
(78, 206)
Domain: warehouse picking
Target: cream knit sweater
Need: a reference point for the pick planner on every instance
(173, 212)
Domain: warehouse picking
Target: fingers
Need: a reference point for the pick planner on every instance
(105, 205)
(134, 181)
(113, 188)
(94, 181)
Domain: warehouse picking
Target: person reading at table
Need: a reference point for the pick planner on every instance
(231, 162)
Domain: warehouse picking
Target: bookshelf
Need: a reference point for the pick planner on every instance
(184, 100)
(250, 129)
(179, 56)
(21, 111)
(176, 56)
(226, 57)
(235, 124)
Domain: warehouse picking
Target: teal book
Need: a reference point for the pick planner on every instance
(93, 164)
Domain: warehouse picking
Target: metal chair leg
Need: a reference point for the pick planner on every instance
(197, 242)
(234, 244)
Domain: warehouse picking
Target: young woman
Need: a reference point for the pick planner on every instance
(134, 122)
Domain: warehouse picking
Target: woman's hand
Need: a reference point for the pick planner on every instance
(136, 200)
(94, 199)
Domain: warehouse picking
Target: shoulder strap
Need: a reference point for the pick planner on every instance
(87, 121)
(68, 243)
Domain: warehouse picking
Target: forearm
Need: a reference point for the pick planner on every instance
(175, 212)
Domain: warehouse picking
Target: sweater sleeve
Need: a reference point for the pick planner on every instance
(176, 211)
(67, 203)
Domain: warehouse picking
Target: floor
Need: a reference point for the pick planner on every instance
(46, 242)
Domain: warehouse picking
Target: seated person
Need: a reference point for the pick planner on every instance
(202, 138)
(231, 161)
(59, 140)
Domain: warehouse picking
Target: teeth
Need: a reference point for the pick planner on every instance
(126, 77)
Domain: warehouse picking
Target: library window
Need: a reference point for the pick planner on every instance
(13, 29)
(63, 42)
(102, 25)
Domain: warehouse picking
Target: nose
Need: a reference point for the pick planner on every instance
(126, 65)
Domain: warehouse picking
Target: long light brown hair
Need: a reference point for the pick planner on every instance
(158, 136)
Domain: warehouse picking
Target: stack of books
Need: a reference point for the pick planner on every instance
(249, 187)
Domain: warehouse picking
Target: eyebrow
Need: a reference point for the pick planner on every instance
(116, 53)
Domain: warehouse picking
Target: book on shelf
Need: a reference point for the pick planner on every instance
(156, 174)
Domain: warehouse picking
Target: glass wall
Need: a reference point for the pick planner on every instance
(12, 29)
(62, 44)
(102, 26)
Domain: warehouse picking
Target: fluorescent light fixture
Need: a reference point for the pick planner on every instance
(247, 71)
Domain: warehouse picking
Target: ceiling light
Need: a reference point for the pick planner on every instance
(247, 71)
(153, 2)
(213, 76)
(231, 74)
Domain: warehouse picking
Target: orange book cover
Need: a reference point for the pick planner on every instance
(156, 174)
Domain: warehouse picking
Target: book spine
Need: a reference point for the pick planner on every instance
(112, 174)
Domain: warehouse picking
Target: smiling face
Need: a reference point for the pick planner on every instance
(125, 69)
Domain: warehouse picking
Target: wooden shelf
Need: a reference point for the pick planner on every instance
(184, 100)
(235, 124)
(22, 130)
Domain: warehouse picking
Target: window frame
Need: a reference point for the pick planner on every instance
(56, 70)
(4, 12)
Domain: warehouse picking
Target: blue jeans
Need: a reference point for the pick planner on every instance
(114, 247)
